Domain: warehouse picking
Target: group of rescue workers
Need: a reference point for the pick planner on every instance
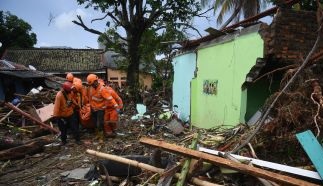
(96, 106)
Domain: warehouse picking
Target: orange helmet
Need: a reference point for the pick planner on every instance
(91, 78)
(67, 86)
(69, 77)
(78, 86)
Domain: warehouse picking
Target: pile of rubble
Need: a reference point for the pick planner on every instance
(152, 147)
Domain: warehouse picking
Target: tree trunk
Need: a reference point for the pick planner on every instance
(133, 68)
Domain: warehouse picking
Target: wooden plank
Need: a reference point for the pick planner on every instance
(313, 149)
(257, 172)
(271, 165)
(46, 112)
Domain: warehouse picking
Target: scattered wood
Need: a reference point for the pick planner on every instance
(257, 172)
(9, 105)
(144, 166)
(267, 164)
(32, 147)
(186, 167)
(7, 143)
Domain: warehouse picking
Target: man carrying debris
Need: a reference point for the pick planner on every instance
(99, 98)
(63, 113)
(111, 114)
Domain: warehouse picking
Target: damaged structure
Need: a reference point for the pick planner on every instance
(225, 90)
(18, 79)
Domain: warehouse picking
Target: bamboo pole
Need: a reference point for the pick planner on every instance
(144, 166)
(186, 166)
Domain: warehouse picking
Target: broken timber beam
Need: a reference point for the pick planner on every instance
(31, 147)
(144, 166)
(12, 107)
(257, 172)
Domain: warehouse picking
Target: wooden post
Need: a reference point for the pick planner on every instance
(257, 172)
(186, 166)
(144, 166)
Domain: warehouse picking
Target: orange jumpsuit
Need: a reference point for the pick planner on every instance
(64, 113)
(82, 101)
(99, 98)
(61, 109)
(111, 115)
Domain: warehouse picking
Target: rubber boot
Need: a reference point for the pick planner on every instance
(101, 137)
(97, 134)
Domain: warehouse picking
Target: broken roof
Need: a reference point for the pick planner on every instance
(57, 59)
(17, 70)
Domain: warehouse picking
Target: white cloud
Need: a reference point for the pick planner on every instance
(64, 20)
(43, 44)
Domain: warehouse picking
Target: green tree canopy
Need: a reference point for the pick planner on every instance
(15, 32)
(237, 9)
(139, 19)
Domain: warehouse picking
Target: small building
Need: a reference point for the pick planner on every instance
(119, 77)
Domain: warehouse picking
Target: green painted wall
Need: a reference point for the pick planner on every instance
(228, 63)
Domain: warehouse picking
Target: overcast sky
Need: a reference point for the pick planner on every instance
(61, 31)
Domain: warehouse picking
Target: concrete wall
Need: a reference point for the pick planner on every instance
(226, 63)
(184, 67)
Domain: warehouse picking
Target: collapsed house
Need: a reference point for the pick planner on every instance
(223, 89)
(16, 79)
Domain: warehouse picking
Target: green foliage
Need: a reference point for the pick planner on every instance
(145, 24)
(309, 5)
(15, 32)
(236, 9)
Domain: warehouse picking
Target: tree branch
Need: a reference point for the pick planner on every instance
(124, 16)
(192, 27)
(206, 11)
(81, 23)
(234, 14)
(97, 19)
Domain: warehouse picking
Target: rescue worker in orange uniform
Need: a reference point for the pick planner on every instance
(63, 113)
(99, 98)
(81, 94)
(79, 98)
(69, 77)
(111, 115)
